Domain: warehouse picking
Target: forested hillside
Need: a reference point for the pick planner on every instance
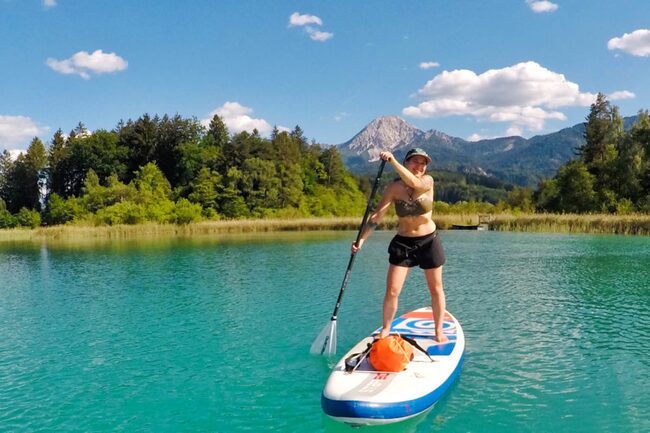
(172, 169)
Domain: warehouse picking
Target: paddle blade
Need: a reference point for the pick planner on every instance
(325, 343)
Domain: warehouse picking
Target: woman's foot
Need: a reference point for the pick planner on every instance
(441, 337)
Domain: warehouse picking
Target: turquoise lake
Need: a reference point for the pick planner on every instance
(213, 334)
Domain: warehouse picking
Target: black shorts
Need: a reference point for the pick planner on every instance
(425, 251)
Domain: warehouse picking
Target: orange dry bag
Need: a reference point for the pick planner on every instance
(390, 354)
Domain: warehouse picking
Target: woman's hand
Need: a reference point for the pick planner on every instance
(356, 246)
(386, 156)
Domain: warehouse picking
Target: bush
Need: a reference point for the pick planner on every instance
(7, 220)
(186, 212)
(125, 212)
(61, 211)
(28, 218)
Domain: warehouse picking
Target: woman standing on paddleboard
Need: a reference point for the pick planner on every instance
(416, 242)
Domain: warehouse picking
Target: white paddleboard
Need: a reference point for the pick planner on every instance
(366, 396)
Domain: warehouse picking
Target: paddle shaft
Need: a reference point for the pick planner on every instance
(361, 227)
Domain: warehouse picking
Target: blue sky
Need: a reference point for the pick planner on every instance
(472, 69)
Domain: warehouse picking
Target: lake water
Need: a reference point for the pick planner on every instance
(214, 335)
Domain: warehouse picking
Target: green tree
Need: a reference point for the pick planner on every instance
(28, 218)
(604, 126)
(291, 185)
(6, 168)
(231, 202)
(57, 154)
(520, 199)
(288, 149)
(139, 138)
(576, 188)
(334, 168)
(639, 155)
(25, 178)
(260, 185)
(61, 211)
(172, 133)
(547, 197)
(151, 183)
(203, 189)
(100, 151)
(218, 132)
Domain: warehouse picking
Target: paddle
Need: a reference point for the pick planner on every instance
(325, 343)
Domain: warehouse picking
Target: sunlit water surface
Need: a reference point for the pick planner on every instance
(214, 334)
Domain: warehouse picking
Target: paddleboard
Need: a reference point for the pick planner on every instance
(365, 396)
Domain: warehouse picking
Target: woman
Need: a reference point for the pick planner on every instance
(416, 242)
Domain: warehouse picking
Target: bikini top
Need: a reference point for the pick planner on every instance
(419, 206)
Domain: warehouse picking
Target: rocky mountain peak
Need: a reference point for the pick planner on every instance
(387, 132)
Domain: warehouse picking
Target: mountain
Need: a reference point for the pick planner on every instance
(515, 159)
(394, 134)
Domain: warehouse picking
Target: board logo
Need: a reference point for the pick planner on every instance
(417, 326)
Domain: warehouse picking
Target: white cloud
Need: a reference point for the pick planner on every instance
(621, 94)
(429, 65)
(49, 3)
(83, 64)
(317, 35)
(308, 22)
(636, 43)
(340, 116)
(540, 6)
(524, 95)
(237, 119)
(18, 130)
(302, 20)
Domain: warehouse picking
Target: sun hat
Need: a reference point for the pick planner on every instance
(416, 151)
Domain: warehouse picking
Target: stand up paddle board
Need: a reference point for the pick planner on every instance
(366, 396)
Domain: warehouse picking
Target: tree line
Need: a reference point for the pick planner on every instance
(173, 169)
(610, 173)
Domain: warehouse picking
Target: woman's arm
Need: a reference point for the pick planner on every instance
(424, 183)
(376, 217)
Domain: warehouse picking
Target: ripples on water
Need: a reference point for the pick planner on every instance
(207, 336)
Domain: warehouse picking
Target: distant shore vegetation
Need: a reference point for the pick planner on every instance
(175, 171)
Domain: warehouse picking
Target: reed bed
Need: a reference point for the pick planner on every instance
(573, 223)
(206, 228)
(567, 223)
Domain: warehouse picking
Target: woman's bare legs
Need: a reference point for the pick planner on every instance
(394, 283)
(434, 281)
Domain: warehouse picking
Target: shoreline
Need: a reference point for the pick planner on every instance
(553, 223)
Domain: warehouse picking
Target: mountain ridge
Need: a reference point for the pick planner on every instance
(518, 160)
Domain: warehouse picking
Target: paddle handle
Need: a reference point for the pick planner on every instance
(366, 214)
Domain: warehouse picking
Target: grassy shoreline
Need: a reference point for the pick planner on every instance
(568, 223)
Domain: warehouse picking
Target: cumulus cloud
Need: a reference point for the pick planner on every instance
(524, 95)
(302, 20)
(540, 6)
(621, 94)
(18, 130)
(237, 119)
(636, 43)
(309, 23)
(317, 35)
(429, 65)
(84, 64)
(49, 3)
